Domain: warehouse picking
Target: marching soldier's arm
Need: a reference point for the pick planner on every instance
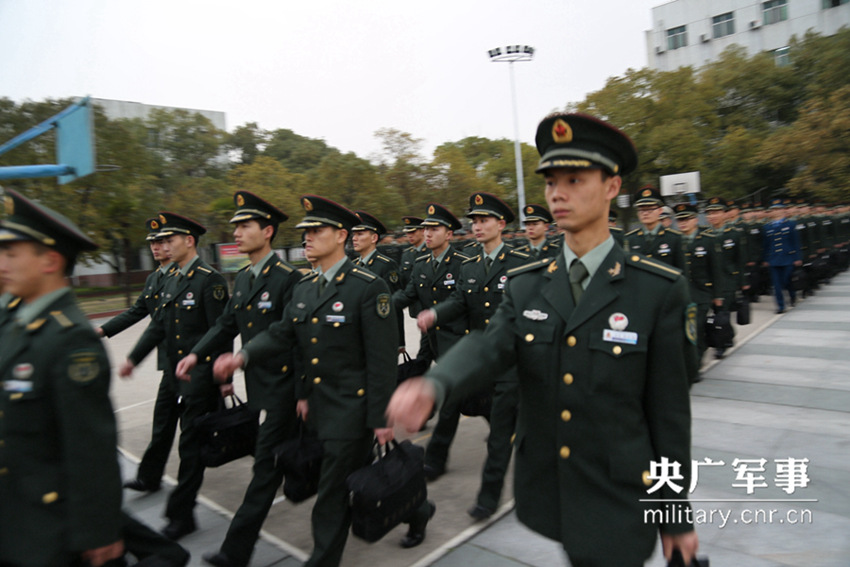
(405, 297)
(220, 336)
(215, 297)
(153, 335)
(715, 265)
(137, 312)
(279, 337)
(455, 305)
(91, 480)
(667, 401)
(379, 332)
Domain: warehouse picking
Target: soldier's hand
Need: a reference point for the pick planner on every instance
(226, 364)
(302, 408)
(185, 366)
(384, 435)
(425, 320)
(798, 263)
(226, 390)
(411, 404)
(99, 331)
(718, 302)
(126, 369)
(401, 350)
(687, 543)
(99, 556)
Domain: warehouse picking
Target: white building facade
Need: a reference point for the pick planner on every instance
(696, 32)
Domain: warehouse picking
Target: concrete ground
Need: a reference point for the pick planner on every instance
(782, 395)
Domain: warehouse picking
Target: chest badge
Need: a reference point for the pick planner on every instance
(190, 295)
(337, 307)
(264, 296)
(618, 322)
(22, 371)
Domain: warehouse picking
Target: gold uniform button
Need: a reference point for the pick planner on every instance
(16, 396)
(248, 308)
(3, 471)
(314, 340)
(177, 337)
(645, 478)
(435, 302)
(295, 319)
(529, 337)
(336, 325)
(361, 392)
(50, 498)
(571, 341)
(617, 349)
(179, 352)
(189, 308)
(208, 358)
(486, 289)
(314, 320)
(486, 304)
(635, 258)
(437, 327)
(486, 321)
(314, 362)
(434, 289)
(284, 369)
(177, 320)
(565, 452)
(250, 324)
(1, 414)
(566, 415)
(568, 378)
(2, 443)
(317, 380)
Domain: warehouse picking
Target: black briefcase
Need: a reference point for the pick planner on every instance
(227, 434)
(301, 462)
(478, 404)
(742, 311)
(799, 278)
(676, 560)
(411, 368)
(388, 490)
(718, 330)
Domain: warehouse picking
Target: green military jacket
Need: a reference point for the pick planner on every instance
(190, 306)
(603, 393)
(430, 285)
(703, 267)
(146, 304)
(387, 269)
(666, 246)
(60, 486)
(732, 243)
(408, 259)
(550, 248)
(270, 384)
(346, 339)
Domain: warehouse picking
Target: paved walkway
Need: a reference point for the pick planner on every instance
(783, 393)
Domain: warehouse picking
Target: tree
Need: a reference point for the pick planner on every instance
(296, 153)
(247, 142)
(403, 168)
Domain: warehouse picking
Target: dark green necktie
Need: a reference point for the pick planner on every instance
(488, 263)
(577, 274)
(323, 282)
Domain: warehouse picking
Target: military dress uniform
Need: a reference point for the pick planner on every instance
(166, 412)
(476, 298)
(551, 246)
(408, 260)
(191, 304)
(256, 303)
(603, 382)
(346, 336)
(781, 250)
(433, 282)
(60, 485)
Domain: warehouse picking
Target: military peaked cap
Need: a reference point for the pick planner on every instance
(250, 207)
(171, 224)
(368, 222)
(324, 212)
(439, 215)
(485, 204)
(648, 195)
(582, 141)
(538, 213)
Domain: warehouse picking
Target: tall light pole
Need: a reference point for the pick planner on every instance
(511, 54)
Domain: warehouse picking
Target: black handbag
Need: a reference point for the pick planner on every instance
(478, 404)
(227, 434)
(799, 278)
(742, 313)
(388, 490)
(412, 367)
(718, 330)
(676, 560)
(301, 461)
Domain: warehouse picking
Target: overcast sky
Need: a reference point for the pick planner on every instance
(331, 69)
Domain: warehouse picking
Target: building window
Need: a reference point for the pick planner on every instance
(782, 56)
(676, 38)
(721, 25)
(774, 11)
(833, 3)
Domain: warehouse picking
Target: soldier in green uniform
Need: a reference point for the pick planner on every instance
(435, 276)
(598, 336)
(482, 285)
(416, 237)
(193, 300)
(615, 230)
(341, 320)
(537, 222)
(733, 255)
(260, 294)
(166, 412)
(652, 239)
(364, 239)
(703, 269)
(60, 485)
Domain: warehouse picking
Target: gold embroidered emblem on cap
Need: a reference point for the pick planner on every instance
(10, 206)
(240, 200)
(529, 209)
(154, 225)
(431, 210)
(561, 132)
(479, 200)
(647, 193)
(162, 219)
(308, 206)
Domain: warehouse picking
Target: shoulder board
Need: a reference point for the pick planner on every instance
(530, 267)
(554, 243)
(615, 229)
(307, 276)
(522, 248)
(382, 258)
(14, 303)
(284, 266)
(461, 256)
(673, 230)
(62, 319)
(204, 270)
(516, 252)
(470, 244)
(472, 260)
(37, 324)
(423, 257)
(368, 276)
(246, 268)
(652, 266)
(635, 231)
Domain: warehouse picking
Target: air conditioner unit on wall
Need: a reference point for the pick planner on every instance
(755, 24)
(704, 38)
(659, 50)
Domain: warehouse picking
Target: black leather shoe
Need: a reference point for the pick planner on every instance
(219, 559)
(718, 353)
(416, 532)
(480, 512)
(159, 561)
(176, 529)
(141, 486)
(433, 473)
(780, 311)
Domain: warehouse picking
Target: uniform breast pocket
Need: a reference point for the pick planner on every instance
(618, 359)
(299, 316)
(535, 343)
(27, 412)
